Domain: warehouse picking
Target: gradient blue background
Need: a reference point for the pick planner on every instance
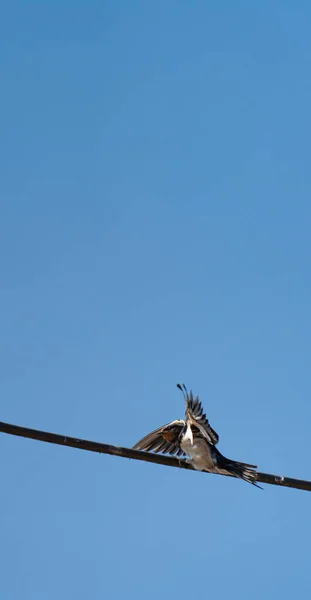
(155, 228)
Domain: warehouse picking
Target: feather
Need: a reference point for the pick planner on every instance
(156, 442)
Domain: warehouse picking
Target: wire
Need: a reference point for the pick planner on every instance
(160, 459)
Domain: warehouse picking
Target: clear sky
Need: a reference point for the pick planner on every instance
(155, 228)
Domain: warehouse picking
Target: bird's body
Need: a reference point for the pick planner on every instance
(200, 453)
(194, 437)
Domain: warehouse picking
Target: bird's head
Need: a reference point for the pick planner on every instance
(172, 431)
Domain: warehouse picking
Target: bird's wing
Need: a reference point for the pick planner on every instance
(157, 443)
(194, 413)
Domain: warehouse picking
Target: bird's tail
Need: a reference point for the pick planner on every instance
(241, 470)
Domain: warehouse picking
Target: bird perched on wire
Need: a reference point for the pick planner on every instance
(194, 437)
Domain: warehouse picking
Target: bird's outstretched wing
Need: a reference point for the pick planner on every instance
(196, 416)
(164, 439)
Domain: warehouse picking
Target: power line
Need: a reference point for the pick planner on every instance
(160, 459)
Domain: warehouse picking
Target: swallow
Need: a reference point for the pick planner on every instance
(194, 437)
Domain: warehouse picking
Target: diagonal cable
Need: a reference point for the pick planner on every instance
(160, 459)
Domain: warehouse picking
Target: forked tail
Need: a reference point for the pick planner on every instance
(237, 469)
(242, 471)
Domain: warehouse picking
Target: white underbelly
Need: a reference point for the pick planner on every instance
(199, 454)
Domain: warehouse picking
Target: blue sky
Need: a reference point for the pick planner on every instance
(155, 228)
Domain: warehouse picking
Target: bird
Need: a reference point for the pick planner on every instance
(194, 437)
